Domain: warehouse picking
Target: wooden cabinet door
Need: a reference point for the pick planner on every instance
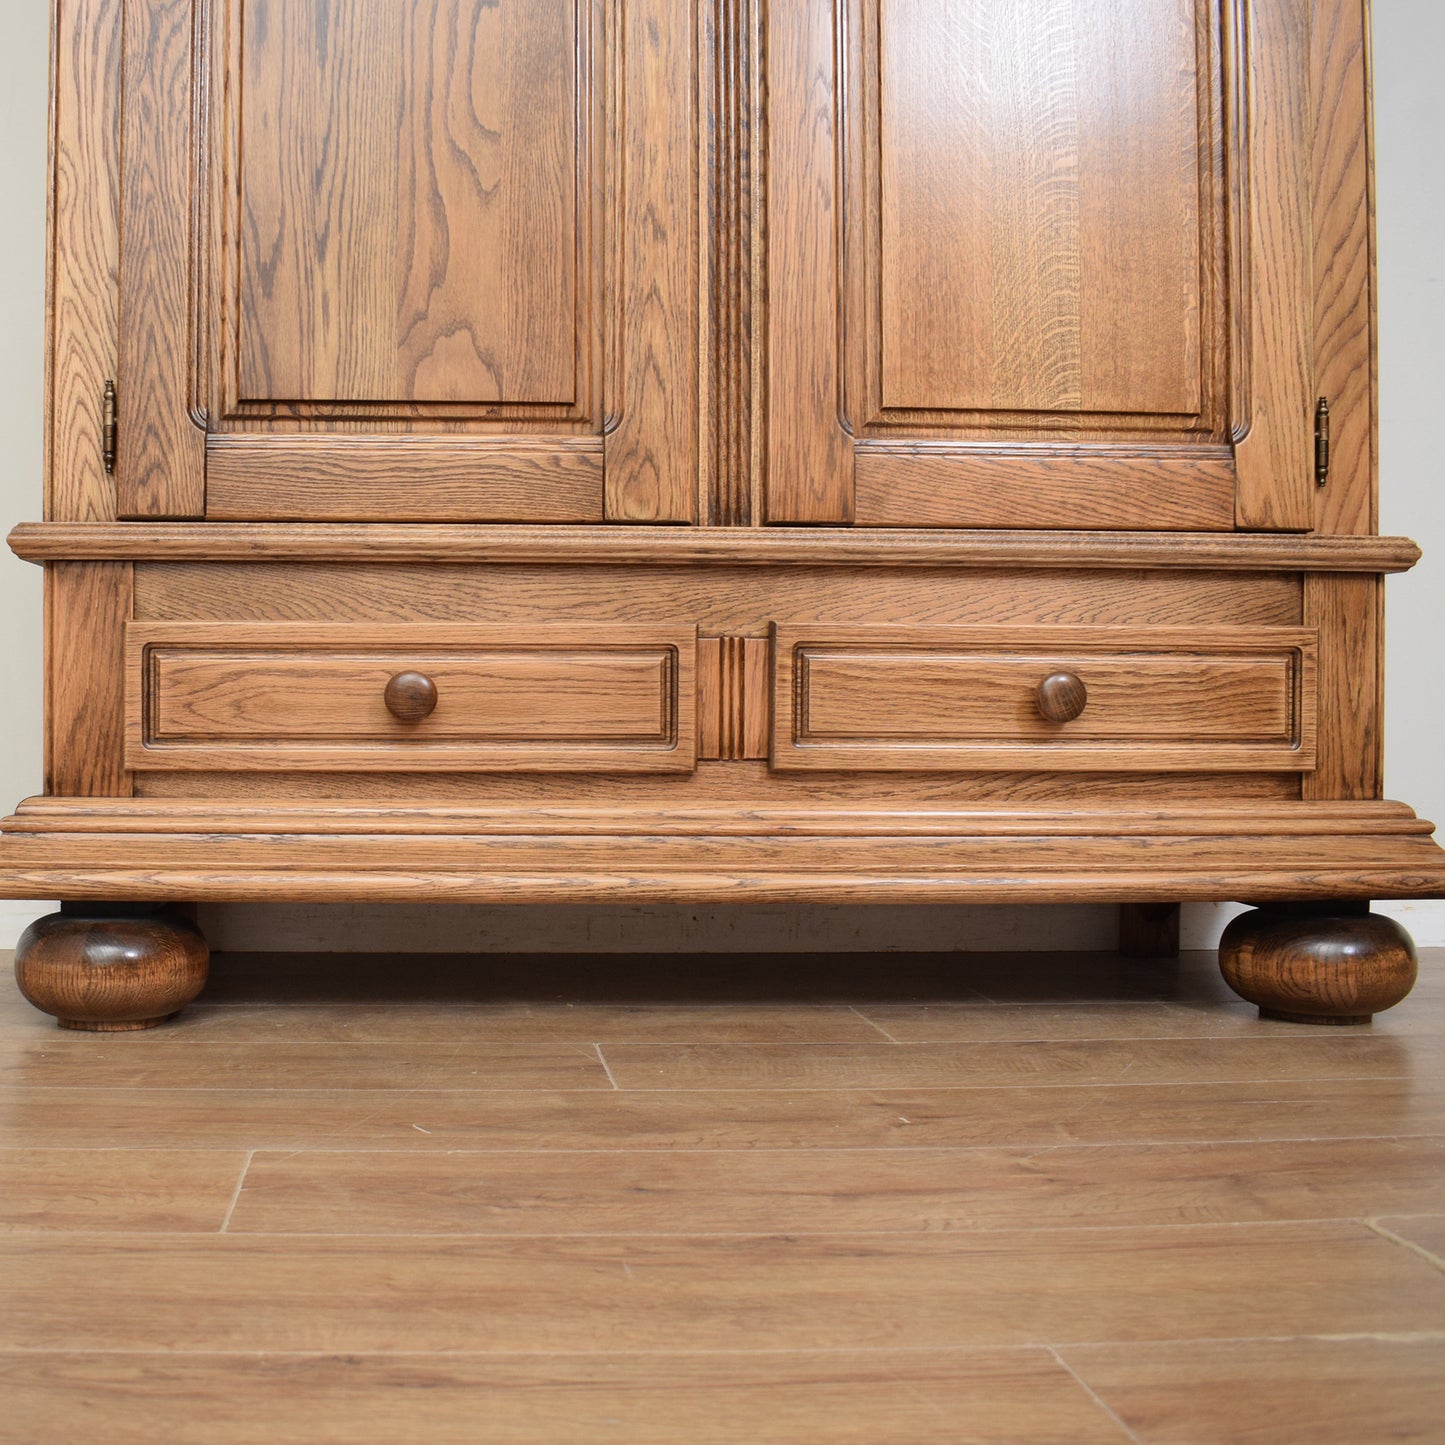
(1039, 263)
(409, 260)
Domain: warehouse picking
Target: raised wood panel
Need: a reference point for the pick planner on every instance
(161, 469)
(413, 188)
(87, 607)
(1079, 224)
(404, 478)
(83, 300)
(906, 698)
(911, 484)
(459, 221)
(1348, 613)
(1040, 206)
(269, 695)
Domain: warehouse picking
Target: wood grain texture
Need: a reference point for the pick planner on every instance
(821, 1191)
(1318, 966)
(808, 815)
(338, 542)
(977, 866)
(160, 471)
(737, 785)
(653, 450)
(1344, 329)
(176, 1191)
(1336, 1392)
(148, 1115)
(269, 695)
(931, 485)
(111, 975)
(1005, 1288)
(1042, 242)
(721, 600)
(879, 698)
(411, 478)
(413, 188)
(733, 697)
(1272, 104)
(1244, 1178)
(1348, 611)
(809, 474)
(87, 605)
(737, 260)
(372, 1400)
(84, 213)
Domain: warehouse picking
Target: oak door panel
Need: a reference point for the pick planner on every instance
(349, 223)
(901, 699)
(1008, 283)
(1063, 275)
(408, 203)
(277, 696)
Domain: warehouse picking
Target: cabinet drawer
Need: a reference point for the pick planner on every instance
(1184, 699)
(275, 696)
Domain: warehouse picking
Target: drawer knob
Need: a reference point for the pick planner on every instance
(1062, 697)
(410, 697)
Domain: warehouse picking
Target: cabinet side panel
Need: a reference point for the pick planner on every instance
(87, 605)
(1344, 226)
(1346, 608)
(84, 255)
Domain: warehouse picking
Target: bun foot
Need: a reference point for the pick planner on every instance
(111, 974)
(1318, 965)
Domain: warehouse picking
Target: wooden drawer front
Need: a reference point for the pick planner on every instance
(903, 699)
(270, 696)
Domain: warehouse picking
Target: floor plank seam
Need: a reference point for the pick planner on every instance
(1094, 1396)
(606, 1068)
(236, 1193)
(872, 1023)
(1433, 1260)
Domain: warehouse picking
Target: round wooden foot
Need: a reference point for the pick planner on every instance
(111, 975)
(1318, 967)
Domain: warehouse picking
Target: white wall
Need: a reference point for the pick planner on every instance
(1410, 110)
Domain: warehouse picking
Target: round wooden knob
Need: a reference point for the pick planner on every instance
(410, 697)
(1062, 697)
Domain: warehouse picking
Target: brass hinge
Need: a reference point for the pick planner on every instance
(108, 427)
(1322, 442)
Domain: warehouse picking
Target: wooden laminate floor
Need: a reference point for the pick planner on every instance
(814, 1200)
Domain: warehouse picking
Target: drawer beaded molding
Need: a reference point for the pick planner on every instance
(743, 469)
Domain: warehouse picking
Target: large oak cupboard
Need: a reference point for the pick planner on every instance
(706, 450)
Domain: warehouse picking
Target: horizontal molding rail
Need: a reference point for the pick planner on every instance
(703, 546)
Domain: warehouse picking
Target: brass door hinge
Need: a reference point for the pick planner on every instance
(1322, 442)
(108, 427)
